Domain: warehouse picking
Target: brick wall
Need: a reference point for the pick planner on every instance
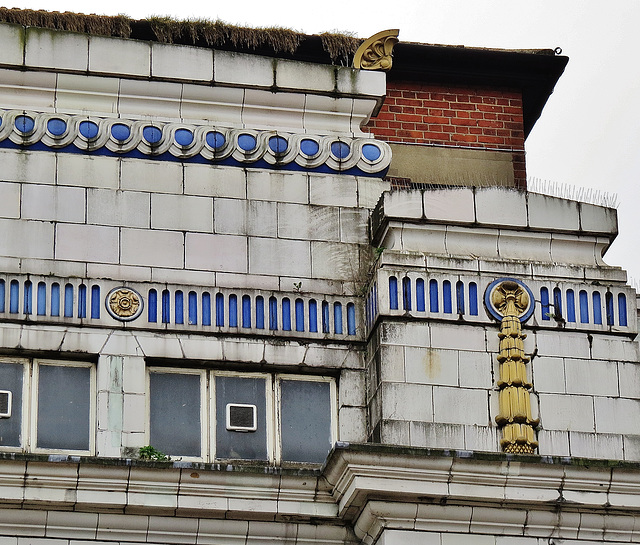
(453, 116)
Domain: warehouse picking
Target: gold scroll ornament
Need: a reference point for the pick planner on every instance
(518, 425)
(375, 52)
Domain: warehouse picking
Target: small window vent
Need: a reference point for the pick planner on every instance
(5, 403)
(242, 417)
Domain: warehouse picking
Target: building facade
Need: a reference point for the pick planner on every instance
(251, 298)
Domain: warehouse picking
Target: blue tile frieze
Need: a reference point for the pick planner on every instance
(196, 143)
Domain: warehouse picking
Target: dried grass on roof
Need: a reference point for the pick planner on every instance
(340, 47)
(103, 25)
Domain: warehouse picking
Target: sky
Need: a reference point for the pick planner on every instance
(588, 137)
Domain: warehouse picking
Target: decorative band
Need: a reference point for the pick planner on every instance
(184, 142)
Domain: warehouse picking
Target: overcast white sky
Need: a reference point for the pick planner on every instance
(589, 133)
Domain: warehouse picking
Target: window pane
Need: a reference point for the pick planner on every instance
(306, 420)
(175, 413)
(11, 375)
(237, 444)
(64, 403)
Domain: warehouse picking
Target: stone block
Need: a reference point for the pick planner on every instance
(117, 527)
(231, 68)
(149, 100)
(450, 206)
(119, 272)
(548, 375)
(181, 276)
(553, 443)
(563, 344)
(252, 281)
(117, 56)
(353, 424)
(631, 447)
(153, 176)
(615, 348)
(394, 432)
(46, 48)
(89, 171)
(591, 445)
(298, 75)
(533, 246)
(392, 367)
(501, 206)
(629, 377)
(591, 377)
(598, 219)
(182, 213)
(46, 202)
(152, 248)
(403, 401)
(460, 406)
(460, 337)
(431, 366)
(481, 438)
(407, 334)
(370, 190)
(37, 89)
(24, 522)
(277, 186)
(267, 256)
(28, 166)
(134, 378)
(308, 222)
(12, 38)
(403, 204)
(465, 242)
(475, 370)
(10, 197)
(197, 348)
(134, 414)
(216, 181)
(436, 435)
(351, 390)
(93, 243)
(329, 190)
(171, 61)
(211, 531)
(221, 106)
(241, 217)
(87, 94)
(361, 82)
(567, 412)
(118, 208)
(26, 239)
(354, 225)
(273, 110)
(572, 250)
(71, 525)
(335, 261)
(225, 253)
(617, 415)
(552, 213)
(328, 115)
(178, 530)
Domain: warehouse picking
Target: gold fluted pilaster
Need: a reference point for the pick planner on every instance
(515, 418)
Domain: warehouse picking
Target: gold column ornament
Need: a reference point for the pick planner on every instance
(511, 301)
(375, 52)
(124, 304)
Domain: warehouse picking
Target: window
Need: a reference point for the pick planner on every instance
(208, 415)
(47, 406)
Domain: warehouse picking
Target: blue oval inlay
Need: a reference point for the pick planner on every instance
(278, 144)
(24, 124)
(120, 132)
(184, 137)
(88, 129)
(56, 126)
(371, 152)
(152, 134)
(247, 142)
(215, 139)
(309, 147)
(340, 149)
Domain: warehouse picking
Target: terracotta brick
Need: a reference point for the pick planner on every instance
(408, 102)
(464, 138)
(409, 117)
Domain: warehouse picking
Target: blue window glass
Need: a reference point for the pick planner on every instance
(55, 299)
(351, 319)
(406, 293)
(433, 296)
(2, 296)
(420, 301)
(459, 297)
(337, 318)
(622, 310)
(95, 302)
(260, 312)
(42, 299)
(584, 307)
(233, 310)
(325, 317)
(68, 301)
(393, 293)
(273, 314)
(286, 314)
(446, 297)
(219, 310)
(246, 311)
(152, 310)
(166, 306)
(571, 306)
(14, 297)
(597, 308)
(609, 307)
(28, 297)
(557, 303)
(313, 316)
(82, 301)
(299, 315)
(206, 308)
(473, 299)
(179, 307)
(544, 303)
(193, 308)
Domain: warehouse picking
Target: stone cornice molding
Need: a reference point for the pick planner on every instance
(377, 487)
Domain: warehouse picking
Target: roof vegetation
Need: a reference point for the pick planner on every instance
(199, 32)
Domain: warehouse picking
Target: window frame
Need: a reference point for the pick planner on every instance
(208, 417)
(30, 399)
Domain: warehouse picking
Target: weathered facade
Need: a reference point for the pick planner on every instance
(322, 291)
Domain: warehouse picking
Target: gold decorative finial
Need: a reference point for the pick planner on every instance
(511, 301)
(375, 52)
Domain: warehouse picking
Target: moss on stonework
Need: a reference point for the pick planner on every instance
(198, 32)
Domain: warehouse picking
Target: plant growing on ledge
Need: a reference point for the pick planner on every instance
(152, 454)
